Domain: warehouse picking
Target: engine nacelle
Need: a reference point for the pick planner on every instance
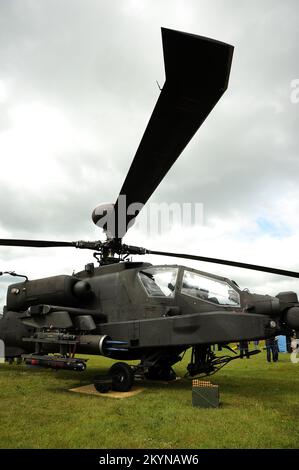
(55, 290)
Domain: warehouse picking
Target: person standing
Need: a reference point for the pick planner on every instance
(288, 341)
(294, 343)
(244, 351)
(276, 349)
(272, 349)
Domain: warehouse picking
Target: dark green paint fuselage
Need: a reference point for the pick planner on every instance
(122, 309)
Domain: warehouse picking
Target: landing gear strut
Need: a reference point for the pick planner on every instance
(121, 376)
(159, 372)
(204, 362)
(202, 359)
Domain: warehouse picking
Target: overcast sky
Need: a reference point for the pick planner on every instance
(77, 87)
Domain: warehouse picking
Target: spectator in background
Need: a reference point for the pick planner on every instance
(272, 349)
(288, 343)
(294, 343)
(244, 351)
(256, 343)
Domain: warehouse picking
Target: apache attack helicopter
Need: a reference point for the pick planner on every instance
(128, 310)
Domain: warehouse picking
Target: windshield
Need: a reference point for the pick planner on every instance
(159, 282)
(210, 290)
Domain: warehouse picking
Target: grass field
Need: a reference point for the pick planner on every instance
(259, 409)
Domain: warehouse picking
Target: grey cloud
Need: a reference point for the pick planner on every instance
(98, 61)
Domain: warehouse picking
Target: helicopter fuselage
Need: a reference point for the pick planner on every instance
(138, 305)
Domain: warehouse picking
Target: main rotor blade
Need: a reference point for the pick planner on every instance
(236, 264)
(197, 71)
(33, 243)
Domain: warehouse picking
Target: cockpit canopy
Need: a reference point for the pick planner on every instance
(164, 281)
(209, 289)
(159, 281)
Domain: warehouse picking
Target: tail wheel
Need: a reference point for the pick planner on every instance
(122, 377)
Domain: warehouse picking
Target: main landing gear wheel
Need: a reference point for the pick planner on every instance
(122, 377)
(102, 383)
